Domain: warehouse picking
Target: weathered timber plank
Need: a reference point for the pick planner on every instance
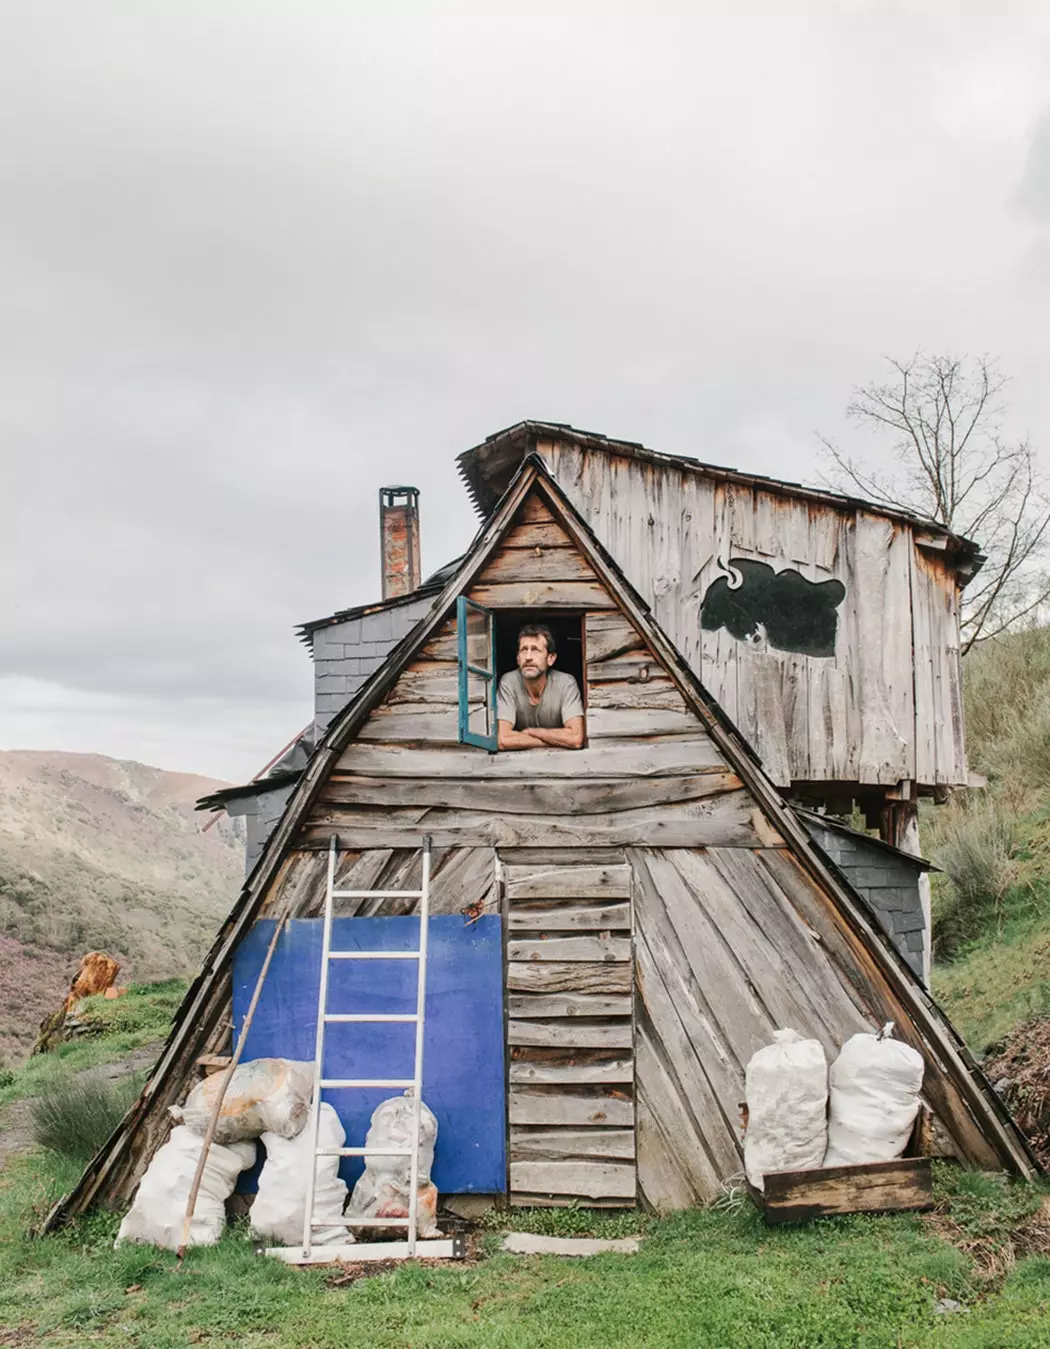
(572, 1033)
(541, 976)
(567, 882)
(590, 1180)
(558, 916)
(724, 820)
(551, 565)
(634, 667)
(541, 796)
(640, 721)
(611, 636)
(570, 1105)
(568, 1004)
(671, 758)
(660, 694)
(606, 949)
(556, 1145)
(538, 858)
(432, 682)
(675, 1170)
(543, 595)
(412, 721)
(522, 1199)
(875, 1187)
(548, 535)
(527, 1072)
(533, 510)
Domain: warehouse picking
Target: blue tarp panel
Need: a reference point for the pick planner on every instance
(463, 1074)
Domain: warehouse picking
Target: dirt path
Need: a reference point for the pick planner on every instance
(16, 1119)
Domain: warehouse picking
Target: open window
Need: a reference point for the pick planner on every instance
(476, 649)
(487, 644)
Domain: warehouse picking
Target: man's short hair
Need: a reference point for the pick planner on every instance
(539, 630)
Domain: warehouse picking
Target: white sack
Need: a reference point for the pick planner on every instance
(875, 1085)
(787, 1098)
(383, 1188)
(264, 1094)
(280, 1205)
(159, 1208)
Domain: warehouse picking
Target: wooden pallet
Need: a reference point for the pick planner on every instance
(903, 1184)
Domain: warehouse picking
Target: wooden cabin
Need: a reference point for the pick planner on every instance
(662, 909)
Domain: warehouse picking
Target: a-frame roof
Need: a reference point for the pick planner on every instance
(197, 1015)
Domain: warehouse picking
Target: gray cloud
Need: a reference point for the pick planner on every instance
(255, 261)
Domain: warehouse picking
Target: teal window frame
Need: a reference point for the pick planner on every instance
(466, 735)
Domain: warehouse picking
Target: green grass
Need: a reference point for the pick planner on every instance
(702, 1278)
(118, 1026)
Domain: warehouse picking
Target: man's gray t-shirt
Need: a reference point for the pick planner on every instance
(561, 700)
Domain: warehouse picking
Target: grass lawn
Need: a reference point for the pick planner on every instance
(717, 1278)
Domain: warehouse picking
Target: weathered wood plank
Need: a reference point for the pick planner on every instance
(671, 758)
(725, 820)
(591, 1180)
(540, 976)
(528, 1072)
(533, 510)
(564, 917)
(612, 636)
(540, 796)
(531, 565)
(539, 535)
(570, 1105)
(543, 595)
(412, 721)
(572, 1033)
(874, 1187)
(430, 682)
(540, 858)
(596, 948)
(639, 721)
(633, 667)
(556, 1145)
(568, 1004)
(656, 693)
(567, 882)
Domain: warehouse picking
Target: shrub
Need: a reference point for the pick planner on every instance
(75, 1113)
(977, 857)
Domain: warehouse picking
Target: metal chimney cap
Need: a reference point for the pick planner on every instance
(387, 495)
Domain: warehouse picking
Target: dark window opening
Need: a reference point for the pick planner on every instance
(568, 635)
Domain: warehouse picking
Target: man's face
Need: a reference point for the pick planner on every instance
(533, 658)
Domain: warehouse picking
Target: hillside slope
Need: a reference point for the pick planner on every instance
(992, 902)
(102, 853)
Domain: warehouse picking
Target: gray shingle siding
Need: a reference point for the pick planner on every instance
(261, 813)
(347, 653)
(888, 882)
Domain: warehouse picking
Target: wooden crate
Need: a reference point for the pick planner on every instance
(876, 1187)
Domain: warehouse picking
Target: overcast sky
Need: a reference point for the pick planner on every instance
(259, 258)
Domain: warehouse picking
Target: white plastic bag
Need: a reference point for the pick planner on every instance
(264, 1094)
(159, 1208)
(875, 1085)
(787, 1097)
(279, 1206)
(383, 1188)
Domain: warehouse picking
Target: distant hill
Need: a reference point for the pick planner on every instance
(105, 854)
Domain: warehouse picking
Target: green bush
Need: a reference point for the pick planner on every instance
(976, 854)
(75, 1113)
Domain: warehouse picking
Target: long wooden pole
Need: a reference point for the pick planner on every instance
(213, 1123)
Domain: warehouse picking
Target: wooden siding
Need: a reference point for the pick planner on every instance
(885, 707)
(571, 1053)
(722, 960)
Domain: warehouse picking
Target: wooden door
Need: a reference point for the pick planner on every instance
(570, 1027)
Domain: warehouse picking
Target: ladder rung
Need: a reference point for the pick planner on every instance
(378, 894)
(365, 1017)
(364, 1222)
(334, 1082)
(374, 955)
(363, 1152)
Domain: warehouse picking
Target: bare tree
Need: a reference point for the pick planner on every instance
(948, 460)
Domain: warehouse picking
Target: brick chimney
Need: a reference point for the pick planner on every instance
(399, 539)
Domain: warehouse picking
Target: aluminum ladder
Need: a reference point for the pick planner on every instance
(386, 1250)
